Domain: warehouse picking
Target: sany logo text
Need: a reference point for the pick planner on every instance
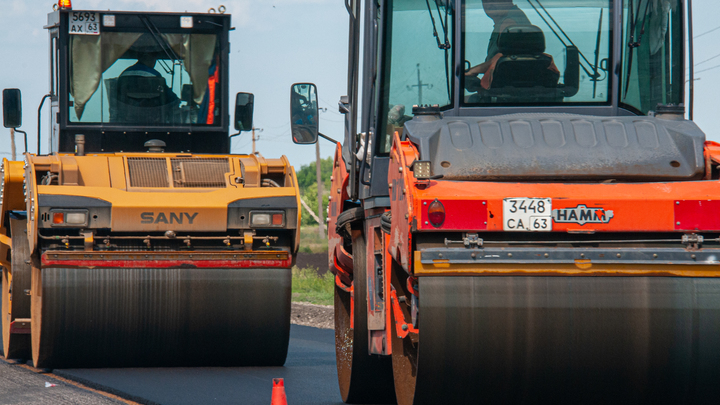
(167, 218)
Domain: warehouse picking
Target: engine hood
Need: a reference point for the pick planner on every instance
(559, 147)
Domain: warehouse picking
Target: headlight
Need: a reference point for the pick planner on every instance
(69, 218)
(260, 219)
(76, 218)
(267, 219)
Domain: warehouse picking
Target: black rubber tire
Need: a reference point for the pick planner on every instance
(346, 218)
(111, 317)
(386, 222)
(363, 378)
(16, 346)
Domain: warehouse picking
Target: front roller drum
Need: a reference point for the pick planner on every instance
(160, 317)
(564, 340)
(15, 300)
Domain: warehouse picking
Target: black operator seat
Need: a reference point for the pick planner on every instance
(142, 100)
(524, 64)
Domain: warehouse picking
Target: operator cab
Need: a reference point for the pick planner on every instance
(133, 77)
(125, 80)
(479, 85)
(542, 57)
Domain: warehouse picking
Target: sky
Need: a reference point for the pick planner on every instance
(277, 43)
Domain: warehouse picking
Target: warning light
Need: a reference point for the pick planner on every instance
(277, 219)
(58, 218)
(436, 213)
(65, 4)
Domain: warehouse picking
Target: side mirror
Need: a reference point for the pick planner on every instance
(304, 113)
(244, 103)
(12, 108)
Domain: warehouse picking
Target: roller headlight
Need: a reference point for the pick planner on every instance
(260, 219)
(267, 219)
(76, 218)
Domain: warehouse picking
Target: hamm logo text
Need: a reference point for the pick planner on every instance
(582, 215)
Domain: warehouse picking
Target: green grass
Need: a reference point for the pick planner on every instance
(308, 286)
(311, 242)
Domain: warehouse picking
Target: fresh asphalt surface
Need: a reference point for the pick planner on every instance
(309, 372)
(310, 377)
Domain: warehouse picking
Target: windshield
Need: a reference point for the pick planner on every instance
(537, 51)
(418, 59)
(653, 58)
(144, 78)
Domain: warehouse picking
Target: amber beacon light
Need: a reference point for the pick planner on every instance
(66, 4)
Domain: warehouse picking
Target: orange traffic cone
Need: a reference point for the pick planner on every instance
(278, 394)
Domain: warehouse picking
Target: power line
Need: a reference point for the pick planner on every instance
(708, 60)
(240, 148)
(331, 107)
(278, 126)
(706, 32)
(281, 135)
(275, 140)
(705, 70)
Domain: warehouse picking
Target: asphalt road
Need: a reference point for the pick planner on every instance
(18, 385)
(309, 372)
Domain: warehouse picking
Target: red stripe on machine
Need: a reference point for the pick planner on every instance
(20, 327)
(697, 215)
(154, 261)
(459, 215)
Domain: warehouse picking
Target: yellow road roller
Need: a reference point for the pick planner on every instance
(136, 239)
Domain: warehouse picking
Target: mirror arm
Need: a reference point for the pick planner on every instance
(328, 138)
(24, 133)
(234, 135)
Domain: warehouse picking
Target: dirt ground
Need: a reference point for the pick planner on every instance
(317, 316)
(302, 313)
(316, 260)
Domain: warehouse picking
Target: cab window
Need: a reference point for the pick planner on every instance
(136, 78)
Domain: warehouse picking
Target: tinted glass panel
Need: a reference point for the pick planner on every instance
(537, 52)
(135, 78)
(418, 64)
(653, 58)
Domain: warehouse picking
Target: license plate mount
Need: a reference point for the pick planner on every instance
(526, 214)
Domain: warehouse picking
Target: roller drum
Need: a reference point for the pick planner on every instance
(565, 340)
(160, 317)
(15, 300)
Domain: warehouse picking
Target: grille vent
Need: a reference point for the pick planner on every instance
(199, 172)
(148, 172)
(186, 172)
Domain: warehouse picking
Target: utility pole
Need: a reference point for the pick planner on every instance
(419, 85)
(255, 139)
(321, 227)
